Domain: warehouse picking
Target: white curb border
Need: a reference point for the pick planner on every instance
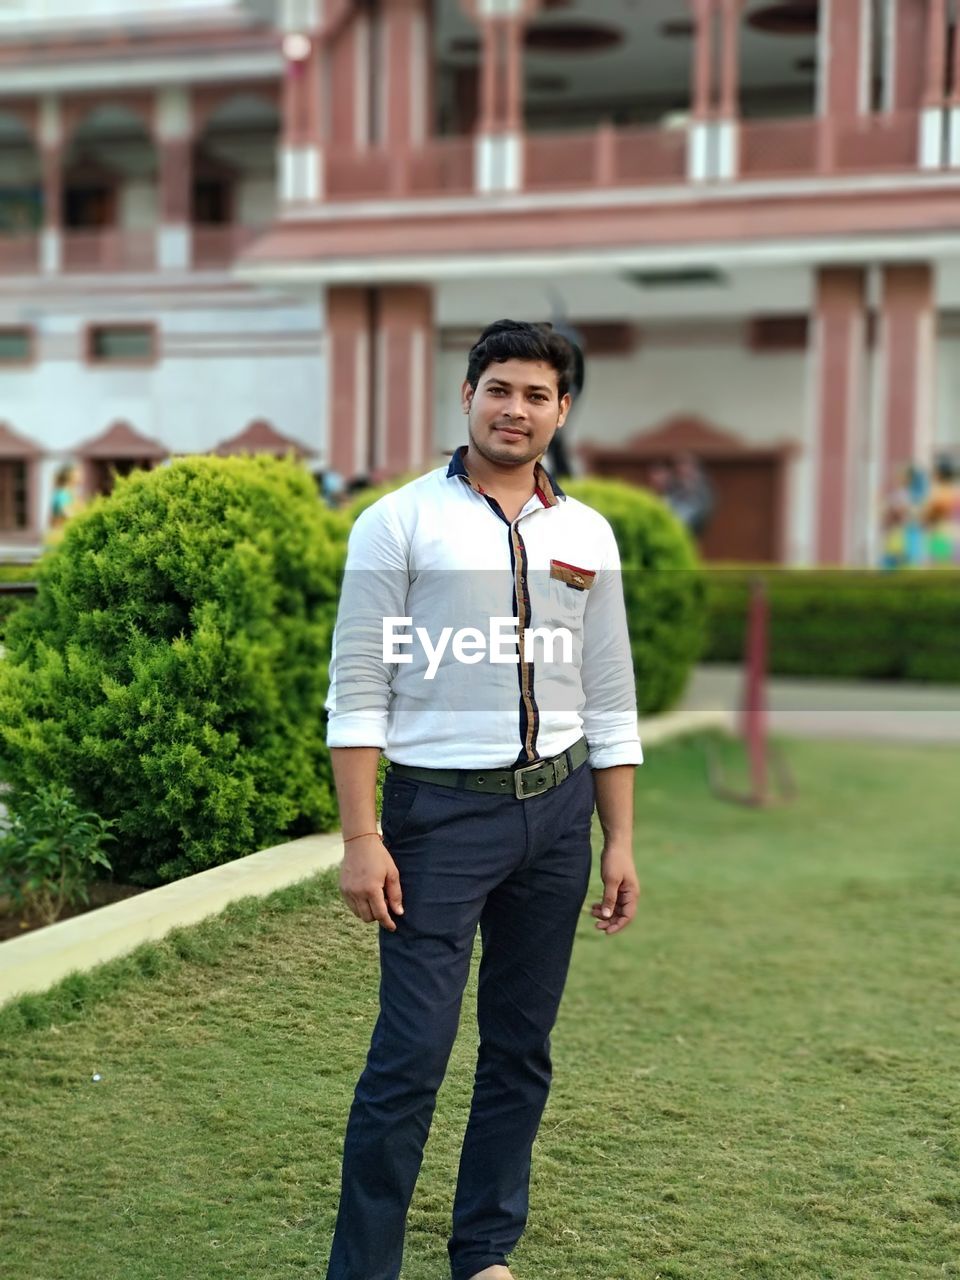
(43, 957)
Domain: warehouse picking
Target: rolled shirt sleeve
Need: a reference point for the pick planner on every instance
(609, 686)
(375, 583)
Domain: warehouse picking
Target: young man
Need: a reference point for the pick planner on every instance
(499, 751)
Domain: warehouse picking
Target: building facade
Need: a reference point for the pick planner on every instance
(244, 224)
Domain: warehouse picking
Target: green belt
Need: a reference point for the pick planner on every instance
(529, 780)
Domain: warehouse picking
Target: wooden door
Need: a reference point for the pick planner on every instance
(746, 510)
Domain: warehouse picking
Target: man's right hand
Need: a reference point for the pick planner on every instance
(370, 882)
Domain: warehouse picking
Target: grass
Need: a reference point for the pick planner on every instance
(758, 1079)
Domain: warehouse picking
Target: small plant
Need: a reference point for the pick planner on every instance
(49, 850)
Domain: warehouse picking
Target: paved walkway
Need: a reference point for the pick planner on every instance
(838, 709)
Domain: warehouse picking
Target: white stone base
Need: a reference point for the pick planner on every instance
(498, 162)
(931, 138)
(699, 150)
(173, 248)
(953, 153)
(726, 149)
(51, 251)
(300, 175)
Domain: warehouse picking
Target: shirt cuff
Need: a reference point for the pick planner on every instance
(607, 757)
(357, 731)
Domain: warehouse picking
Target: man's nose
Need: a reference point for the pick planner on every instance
(515, 407)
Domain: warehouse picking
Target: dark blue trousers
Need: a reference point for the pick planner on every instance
(519, 869)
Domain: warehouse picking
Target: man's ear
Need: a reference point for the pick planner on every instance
(466, 396)
(564, 410)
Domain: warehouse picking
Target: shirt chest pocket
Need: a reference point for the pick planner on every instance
(566, 588)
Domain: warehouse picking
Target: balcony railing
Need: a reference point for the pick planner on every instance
(605, 157)
(110, 249)
(886, 143)
(19, 253)
(219, 246)
(441, 167)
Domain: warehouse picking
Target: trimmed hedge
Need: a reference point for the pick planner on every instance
(173, 668)
(663, 585)
(843, 623)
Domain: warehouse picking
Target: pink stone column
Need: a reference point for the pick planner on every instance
(409, 68)
(176, 179)
(841, 77)
(51, 158)
(936, 52)
(702, 64)
(349, 124)
(730, 60)
(380, 348)
(403, 426)
(348, 355)
(910, 54)
(304, 125)
(906, 356)
(839, 406)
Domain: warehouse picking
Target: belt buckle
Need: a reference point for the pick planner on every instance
(518, 775)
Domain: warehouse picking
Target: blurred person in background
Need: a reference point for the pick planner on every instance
(64, 501)
(660, 480)
(904, 532)
(943, 516)
(690, 496)
(557, 459)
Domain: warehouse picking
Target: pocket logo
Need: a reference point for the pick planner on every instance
(572, 575)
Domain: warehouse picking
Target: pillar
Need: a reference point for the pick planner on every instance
(380, 378)
(932, 115)
(500, 136)
(838, 392)
(349, 124)
(906, 367)
(301, 149)
(728, 127)
(843, 71)
(403, 393)
(909, 31)
(348, 357)
(953, 111)
(699, 138)
(407, 74)
(50, 139)
(174, 140)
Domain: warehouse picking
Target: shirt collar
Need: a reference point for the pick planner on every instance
(548, 489)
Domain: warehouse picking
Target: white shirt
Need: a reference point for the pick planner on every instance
(439, 554)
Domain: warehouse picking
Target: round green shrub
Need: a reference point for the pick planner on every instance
(10, 603)
(663, 585)
(173, 668)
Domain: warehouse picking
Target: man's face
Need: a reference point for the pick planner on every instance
(514, 411)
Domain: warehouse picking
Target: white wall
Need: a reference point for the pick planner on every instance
(219, 368)
(256, 201)
(760, 398)
(15, 12)
(138, 206)
(947, 430)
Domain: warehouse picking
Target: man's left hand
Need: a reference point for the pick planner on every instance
(621, 891)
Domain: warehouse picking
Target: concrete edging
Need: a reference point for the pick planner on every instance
(39, 959)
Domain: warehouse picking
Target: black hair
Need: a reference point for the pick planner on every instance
(518, 340)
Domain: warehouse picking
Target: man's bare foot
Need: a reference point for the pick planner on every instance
(494, 1273)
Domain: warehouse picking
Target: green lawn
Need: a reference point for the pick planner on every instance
(760, 1078)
